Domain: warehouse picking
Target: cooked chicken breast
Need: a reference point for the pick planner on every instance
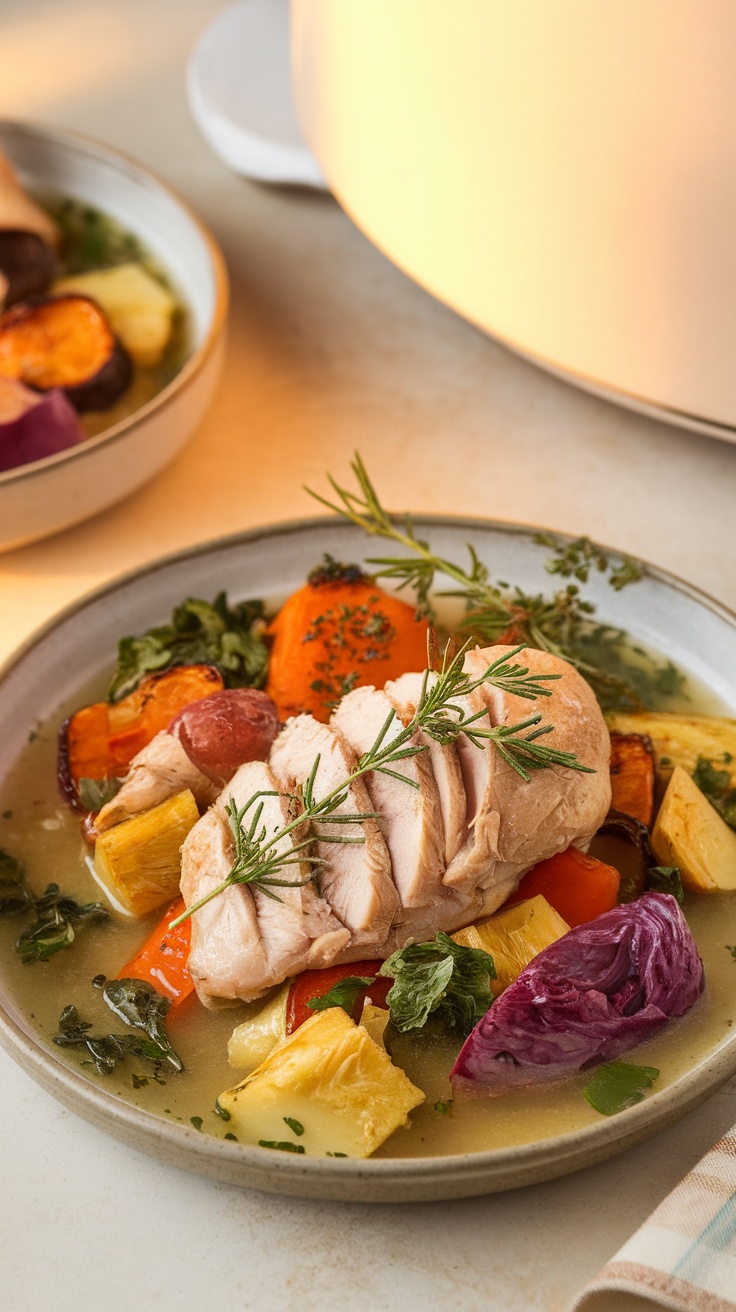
(409, 814)
(246, 940)
(159, 771)
(356, 877)
(243, 941)
(404, 694)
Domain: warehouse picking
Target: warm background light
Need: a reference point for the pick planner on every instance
(562, 173)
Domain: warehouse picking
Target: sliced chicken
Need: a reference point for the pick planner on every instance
(409, 812)
(404, 694)
(243, 942)
(356, 877)
(159, 771)
(558, 807)
(258, 940)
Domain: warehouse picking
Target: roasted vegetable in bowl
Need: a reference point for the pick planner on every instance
(100, 335)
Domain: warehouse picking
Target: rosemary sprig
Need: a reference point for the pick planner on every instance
(561, 624)
(259, 856)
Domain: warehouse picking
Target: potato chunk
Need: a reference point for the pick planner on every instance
(690, 834)
(264, 1027)
(139, 861)
(514, 936)
(332, 1079)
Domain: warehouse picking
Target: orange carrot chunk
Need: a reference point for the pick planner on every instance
(162, 961)
(100, 741)
(577, 885)
(337, 632)
(632, 775)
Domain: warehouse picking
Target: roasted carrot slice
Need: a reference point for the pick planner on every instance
(313, 984)
(100, 741)
(162, 961)
(337, 632)
(66, 342)
(578, 886)
(632, 775)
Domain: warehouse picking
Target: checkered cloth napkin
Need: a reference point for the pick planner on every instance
(684, 1256)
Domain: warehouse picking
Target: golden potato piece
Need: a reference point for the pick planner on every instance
(689, 833)
(257, 1036)
(330, 1078)
(140, 859)
(514, 936)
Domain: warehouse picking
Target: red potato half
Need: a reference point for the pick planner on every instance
(64, 342)
(220, 732)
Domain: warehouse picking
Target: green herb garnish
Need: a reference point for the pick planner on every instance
(716, 784)
(284, 1146)
(197, 1122)
(260, 856)
(335, 1154)
(732, 950)
(57, 915)
(296, 1127)
(444, 1108)
(105, 1050)
(666, 879)
(96, 793)
(344, 994)
(618, 1085)
(441, 979)
(231, 1136)
(561, 624)
(200, 633)
(138, 1004)
(221, 1111)
(92, 240)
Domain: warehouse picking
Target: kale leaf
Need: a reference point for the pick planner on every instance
(344, 994)
(666, 879)
(200, 633)
(441, 979)
(57, 914)
(716, 784)
(138, 1004)
(618, 1085)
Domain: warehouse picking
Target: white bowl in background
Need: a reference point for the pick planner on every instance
(47, 495)
(562, 174)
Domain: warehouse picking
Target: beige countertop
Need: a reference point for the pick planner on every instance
(331, 349)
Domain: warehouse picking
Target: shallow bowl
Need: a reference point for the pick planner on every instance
(47, 495)
(79, 646)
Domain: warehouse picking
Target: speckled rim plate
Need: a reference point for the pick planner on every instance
(79, 642)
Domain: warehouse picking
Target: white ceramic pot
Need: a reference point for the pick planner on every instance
(561, 172)
(48, 495)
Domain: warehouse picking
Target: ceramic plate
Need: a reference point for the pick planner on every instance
(79, 645)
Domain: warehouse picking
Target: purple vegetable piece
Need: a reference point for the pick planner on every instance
(33, 426)
(598, 991)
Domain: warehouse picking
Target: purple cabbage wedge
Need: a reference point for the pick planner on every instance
(598, 991)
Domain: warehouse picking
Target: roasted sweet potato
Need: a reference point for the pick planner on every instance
(99, 741)
(632, 775)
(681, 739)
(337, 632)
(27, 262)
(66, 342)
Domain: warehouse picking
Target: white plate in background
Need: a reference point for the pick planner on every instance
(239, 86)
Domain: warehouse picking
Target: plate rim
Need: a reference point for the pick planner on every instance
(420, 1178)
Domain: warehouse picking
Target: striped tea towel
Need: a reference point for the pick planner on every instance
(684, 1256)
